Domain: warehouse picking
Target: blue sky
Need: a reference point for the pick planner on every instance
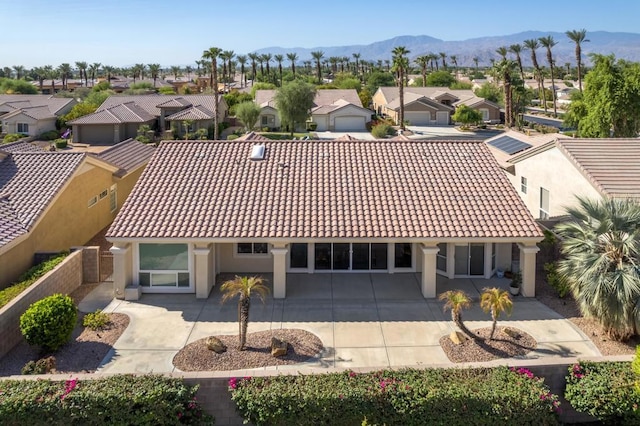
(121, 33)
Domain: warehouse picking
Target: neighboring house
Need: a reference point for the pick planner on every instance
(32, 115)
(120, 117)
(282, 207)
(50, 87)
(120, 85)
(550, 176)
(431, 106)
(338, 110)
(51, 201)
(511, 143)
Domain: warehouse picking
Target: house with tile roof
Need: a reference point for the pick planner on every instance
(51, 201)
(338, 110)
(431, 106)
(427, 207)
(119, 117)
(548, 177)
(32, 115)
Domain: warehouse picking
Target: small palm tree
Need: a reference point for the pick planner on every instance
(496, 301)
(457, 300)
(244, 288)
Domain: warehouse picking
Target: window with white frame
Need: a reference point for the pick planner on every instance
(485, 114)
(252, 248)
(544, 203)
(23, 128)
(163, 265)
(264, 120)
(113, 197)
(523, 184)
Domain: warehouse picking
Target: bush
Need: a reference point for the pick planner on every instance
(559, 283)
(605, 390)
(232, 137)
(50, 135)
(31, 276)
(382, 130)
(41, 366)
(96, 320)
(49, 322)
(60, 143)
(12, 137)
(123, 399)
(406, 397)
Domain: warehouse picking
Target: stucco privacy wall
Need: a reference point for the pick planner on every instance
(65, 278)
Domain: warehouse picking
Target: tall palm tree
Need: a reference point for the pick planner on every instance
(401, 63)
(496, 301)
(423, 61)
(475, 61)
(532, 45)
(141, 69)
(40, 75)
(333, 60)
(229, 55)
(293, 57)
(279, 58)
(212, 55)
(454, 61)
(223, 57)
(267, 59)
(19, 69)
(82, 67)
(189, 70)
(244, 288)
(502, 51)
(65, 72)
(503, 70)
(548, 42)
(261, 62)
(242, 60)
(516, 49)
(318, 55)
(443, 56)
(108, 70)
(154, 70)
(456, 301)
(601, 254)
(254, 59)
(51, 74)
(578, 37)
(356, 56)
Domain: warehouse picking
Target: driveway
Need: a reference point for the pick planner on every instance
(363, 320)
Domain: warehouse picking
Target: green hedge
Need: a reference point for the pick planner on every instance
(605, 390)
(28, 278)
(480, 396)
(124, 399)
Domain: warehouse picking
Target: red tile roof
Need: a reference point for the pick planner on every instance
(324, 189)
(127, 155)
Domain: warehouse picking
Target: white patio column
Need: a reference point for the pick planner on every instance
(279, 271)
(528, 269)
(122, 268)
(429, 257)
(201, 271)
(487, 260)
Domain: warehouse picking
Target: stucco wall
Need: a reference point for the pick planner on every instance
(228, 262)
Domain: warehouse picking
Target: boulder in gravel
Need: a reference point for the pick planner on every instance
(214, 344)
(458, 338)
(513, 333)
(278, 347)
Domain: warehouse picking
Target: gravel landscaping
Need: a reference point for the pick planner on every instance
(503, 345)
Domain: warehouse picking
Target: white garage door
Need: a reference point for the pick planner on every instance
(350, 124)
(417, 118)
(442, 118)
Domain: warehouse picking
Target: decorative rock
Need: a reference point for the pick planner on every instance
(278, 347)
(511, 332)
(458, 337)
(214, 344)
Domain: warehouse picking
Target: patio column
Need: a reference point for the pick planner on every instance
(201, 272)
(528, 269)
(279, 271)
(429, 257)
(122, 268)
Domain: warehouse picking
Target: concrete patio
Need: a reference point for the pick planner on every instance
(363, 320)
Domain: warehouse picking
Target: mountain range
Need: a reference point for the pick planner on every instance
(622, 45)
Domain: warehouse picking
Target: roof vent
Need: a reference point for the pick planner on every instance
(257, 152)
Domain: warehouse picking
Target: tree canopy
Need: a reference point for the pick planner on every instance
(10, 86)
(294, 101)
(379, 79)
(467, 115)
(248, 112)
(440, 79)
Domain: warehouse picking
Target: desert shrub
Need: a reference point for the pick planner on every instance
(605, 390)
(60, 143)
(115, 400)
(382, 130)
(232, 137)
(559, 283)
(29, 277)
(41, 366)
(12, 137)
(49, 322)
(50, 135)
(407, 397)
(96, 320)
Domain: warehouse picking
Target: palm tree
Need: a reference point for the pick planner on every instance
(318, 55)
(267, 59)
(154, 70)
(475, 61)
(443, 56)
(65, 72)
(189, 70)
(108, 70)
(254, 59)
(242, 60)
(51, 74)
(19, 69)
(496, 301)
(578, 37)
(548, 42)
(40, 74)
(229, 55)
(82, 66)
(532, 45)
(244, 288)
(356, 56)
(516, 49)
(423, 61)
(601, 253)
(454, 61)
(293, 57)
(212, 55)
(503, 70)
(175, 70)
(502, 51)
(279, 59)
(401, 63)
(457, 300)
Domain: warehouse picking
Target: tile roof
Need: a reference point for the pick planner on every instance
(128, 112)
(22, 101)
(37, 113)
(150, 103)
(21, 146)
(28, 183)
(174, 103)
(127, 155)
(335, 98)
(252, 136)
(411, 93)
(324, 189)
(193, 113)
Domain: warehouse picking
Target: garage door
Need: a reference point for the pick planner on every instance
(442, 118)
(417, 118)
(350, 124)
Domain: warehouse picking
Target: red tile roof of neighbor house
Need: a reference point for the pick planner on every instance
(324, 189)
(127, 155)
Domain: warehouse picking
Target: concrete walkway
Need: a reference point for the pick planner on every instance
(363, 320)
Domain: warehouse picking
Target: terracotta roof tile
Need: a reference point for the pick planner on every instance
(127, 155)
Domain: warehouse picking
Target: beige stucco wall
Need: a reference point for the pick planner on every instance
(36, 127)
(228, 261)
(551, 170)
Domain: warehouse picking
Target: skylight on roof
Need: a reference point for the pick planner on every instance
(257, 152)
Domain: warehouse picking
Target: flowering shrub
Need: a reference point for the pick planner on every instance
(124, 399)
(605, 390)
(407, 397)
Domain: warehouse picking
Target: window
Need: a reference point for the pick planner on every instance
(299, 255)
(23, 128)
(264, 120)
(113, 198)
(163, 265)
(544, 203)
(252, 248)
(493, 256)
(92, 201)
(523, 184)
(485, 114)
(441, 259)
(403, 256)
(104, 194)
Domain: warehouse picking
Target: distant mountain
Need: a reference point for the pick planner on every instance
(622, 45)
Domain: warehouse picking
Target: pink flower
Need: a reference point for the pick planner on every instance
(352, 374)
(69, 385)
(179, 415)
(383, 384)
(233, 383)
